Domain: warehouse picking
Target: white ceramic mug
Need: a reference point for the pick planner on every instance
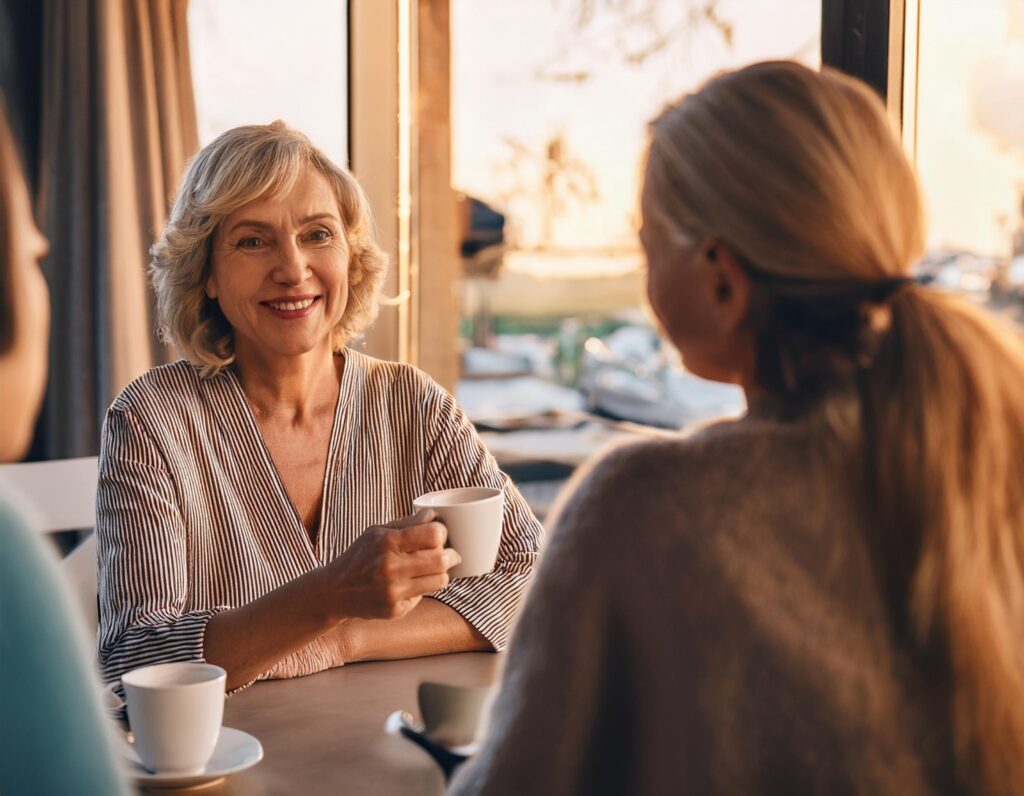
(175, 711)
(473, 516)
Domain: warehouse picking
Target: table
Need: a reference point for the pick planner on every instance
(324, 734)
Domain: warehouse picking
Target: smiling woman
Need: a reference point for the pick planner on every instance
(251, 496)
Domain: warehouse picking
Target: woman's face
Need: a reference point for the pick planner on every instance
(25, 362)
(279, 270)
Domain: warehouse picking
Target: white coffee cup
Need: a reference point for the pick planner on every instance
(175, 711)
(473, 516)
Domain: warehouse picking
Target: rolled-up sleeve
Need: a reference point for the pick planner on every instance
(457, 457)
(142, 549)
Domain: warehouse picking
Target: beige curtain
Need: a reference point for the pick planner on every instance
(118, 124)
(150, 131)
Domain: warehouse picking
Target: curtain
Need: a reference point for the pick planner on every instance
(117, 126)
(21, 26)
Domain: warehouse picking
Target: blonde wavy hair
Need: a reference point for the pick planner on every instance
(238, 167)
(801, 174)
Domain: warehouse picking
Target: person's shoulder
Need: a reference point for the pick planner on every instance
(676, 480)
(695, 457)
(385, 374)
(174, 384)
(740, 445)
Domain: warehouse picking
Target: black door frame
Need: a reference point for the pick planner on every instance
(864, 38)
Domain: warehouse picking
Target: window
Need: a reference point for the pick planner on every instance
(254, 61)
(550, 105)
(965, 127)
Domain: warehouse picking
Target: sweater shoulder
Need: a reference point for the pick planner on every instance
(679, 489)
(723, 456)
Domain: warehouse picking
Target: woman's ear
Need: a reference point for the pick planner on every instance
(211, 287)
(731, 294)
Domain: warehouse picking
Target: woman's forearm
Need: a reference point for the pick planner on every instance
(249, 640)
(431, 628)
(263, 635)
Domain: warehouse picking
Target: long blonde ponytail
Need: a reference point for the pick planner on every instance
(801, 174)
(943, 410)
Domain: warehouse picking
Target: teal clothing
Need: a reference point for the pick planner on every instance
(54, 738)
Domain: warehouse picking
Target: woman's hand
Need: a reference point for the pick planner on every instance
(382, 575)
(388, 569)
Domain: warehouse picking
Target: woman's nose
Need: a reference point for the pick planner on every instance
(291, 267)
(40, 244)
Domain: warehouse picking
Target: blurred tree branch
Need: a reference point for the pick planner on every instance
(632, 31)
(552, 177)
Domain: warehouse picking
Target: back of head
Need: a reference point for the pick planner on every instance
(802, 175)
(798, 170)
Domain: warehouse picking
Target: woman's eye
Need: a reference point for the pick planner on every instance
(319, 235)
(250, 243)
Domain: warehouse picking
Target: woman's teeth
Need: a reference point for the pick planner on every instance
(288, 306)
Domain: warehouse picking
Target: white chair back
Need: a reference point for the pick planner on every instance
(61, 496)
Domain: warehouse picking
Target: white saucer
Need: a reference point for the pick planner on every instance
(235, 751)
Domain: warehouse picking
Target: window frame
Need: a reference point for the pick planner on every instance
(400, 150)
(868, 40)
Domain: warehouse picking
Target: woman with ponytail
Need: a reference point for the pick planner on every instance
(827, 595)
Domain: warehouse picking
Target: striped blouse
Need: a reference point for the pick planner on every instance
(193, 519)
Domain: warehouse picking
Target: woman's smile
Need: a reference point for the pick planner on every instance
(292, 307)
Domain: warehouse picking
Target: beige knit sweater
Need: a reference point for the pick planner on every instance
(706, 620)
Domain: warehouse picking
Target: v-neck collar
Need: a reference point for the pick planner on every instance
(251, 438)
